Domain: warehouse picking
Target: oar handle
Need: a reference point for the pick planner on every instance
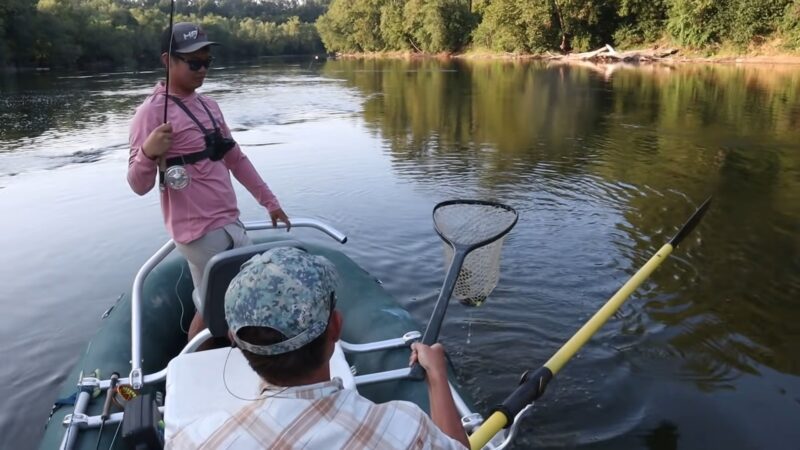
(435, 324)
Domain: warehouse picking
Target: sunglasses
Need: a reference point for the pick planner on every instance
(196, 64)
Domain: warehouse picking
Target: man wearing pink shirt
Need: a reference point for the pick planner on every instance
(191, 155)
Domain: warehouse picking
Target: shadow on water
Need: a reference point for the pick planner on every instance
(664, 437)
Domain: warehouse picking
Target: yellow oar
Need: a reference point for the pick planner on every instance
(532, 385)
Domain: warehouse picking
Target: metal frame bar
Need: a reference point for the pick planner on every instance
(156, 377)
(83, 422)
(73, 427)
(136, 378)
(299, 223)
(404, 341)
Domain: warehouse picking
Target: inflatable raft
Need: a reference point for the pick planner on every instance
(141, 354)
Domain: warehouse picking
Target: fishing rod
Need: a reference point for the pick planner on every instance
(107, 406)
(169, 55)
(533, 384)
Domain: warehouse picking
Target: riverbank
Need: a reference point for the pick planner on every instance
(756, 56)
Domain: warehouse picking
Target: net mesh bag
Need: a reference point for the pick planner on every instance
(469, 224)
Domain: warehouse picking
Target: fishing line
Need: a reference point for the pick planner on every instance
(99, 435)
(180, 301)
(166, 102)
(225, 382)
(115, 436)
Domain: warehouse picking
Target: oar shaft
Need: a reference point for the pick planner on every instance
(533, 384)
(568, 350)
(497, 421)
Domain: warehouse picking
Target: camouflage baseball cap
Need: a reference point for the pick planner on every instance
(284, 288)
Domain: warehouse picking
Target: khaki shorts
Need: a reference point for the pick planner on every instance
(201, 250)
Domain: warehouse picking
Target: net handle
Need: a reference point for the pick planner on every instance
(460, 252)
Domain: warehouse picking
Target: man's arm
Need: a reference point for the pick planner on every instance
(148, 140)
(443, 409)
(241, 168)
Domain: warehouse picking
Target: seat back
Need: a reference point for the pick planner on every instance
(219, 273)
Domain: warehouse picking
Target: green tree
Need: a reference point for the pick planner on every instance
(110, 33)
(522, 26)
(392, 28)
(584, 24)
(437, 25)
(18, 32)
(752, 19)
(352, 26)
(790, 25)
(640, 22)
(694, 23)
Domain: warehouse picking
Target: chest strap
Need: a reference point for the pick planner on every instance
(190, 158)
(193, 117)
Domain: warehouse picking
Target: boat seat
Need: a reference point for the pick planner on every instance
(196, 389)
(219, 273)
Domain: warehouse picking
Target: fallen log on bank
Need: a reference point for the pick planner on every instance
(608, 54)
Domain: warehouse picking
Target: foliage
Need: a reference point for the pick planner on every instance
(352, 26)
(640, 22)
(392, 28)
(754, 19)
(56, 33)
(371, 25)
(556, 25)
(517, 26)
(790, 25)
(437, 25)
(112, 33)
(700, 23)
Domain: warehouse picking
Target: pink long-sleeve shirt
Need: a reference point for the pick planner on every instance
(209, 201)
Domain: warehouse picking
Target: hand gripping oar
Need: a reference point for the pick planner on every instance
(465, 225)
(532, 385)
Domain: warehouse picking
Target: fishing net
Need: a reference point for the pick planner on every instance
(473, 224)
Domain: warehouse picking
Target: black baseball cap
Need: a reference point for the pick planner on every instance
(186, 38)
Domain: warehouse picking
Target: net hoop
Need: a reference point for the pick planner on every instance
(478, 228)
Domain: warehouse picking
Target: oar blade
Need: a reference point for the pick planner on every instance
(690, 224)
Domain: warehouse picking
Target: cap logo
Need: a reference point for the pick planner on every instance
(190, 35)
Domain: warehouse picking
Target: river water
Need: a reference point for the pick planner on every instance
(602, 164)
